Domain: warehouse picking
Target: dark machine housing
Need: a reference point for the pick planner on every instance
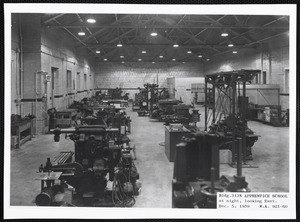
(99, 158)
(196, 179)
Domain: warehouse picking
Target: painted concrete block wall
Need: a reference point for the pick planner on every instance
(20, 78)
(131, 76)
(44, 49)
(14, 82)
(275, 61)
(112, 75)
(32, 64)
(183, 88)
(15, 66)
(258, 94)
(15, 37)
(66, 96)
(30, 32)
(248, 59)
(58, 51)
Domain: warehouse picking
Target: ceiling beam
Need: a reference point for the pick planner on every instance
(264, 26)
(160, 53)
(89, 31)
(252, 43)
(156, 45)
(181, 19)
(192, 36)
(195, 36)
(167, 26)
(237, 19)
(201, 42)
(149, 61)
(101, 30)
(236, 33)
(76, 38)
(119, 36)
(135, 38)
(53, 18)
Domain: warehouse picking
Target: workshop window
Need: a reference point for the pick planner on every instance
(78, 81)
(69, 81)
(286, 79)
(264, 78)
(55, 80)
(85, 81)
(261, 79)
(257, 78)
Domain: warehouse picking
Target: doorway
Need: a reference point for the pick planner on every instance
(54, 84)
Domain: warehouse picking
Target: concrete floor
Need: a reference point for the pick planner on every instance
(270, 154)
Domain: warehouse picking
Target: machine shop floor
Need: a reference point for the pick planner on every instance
(270, 154)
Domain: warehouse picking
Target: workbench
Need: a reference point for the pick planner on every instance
(116, 102)
(172, 138)
(23, 130)
(266, 113)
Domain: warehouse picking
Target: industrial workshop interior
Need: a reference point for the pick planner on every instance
(147, 110)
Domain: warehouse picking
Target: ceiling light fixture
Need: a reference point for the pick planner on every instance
(173, 59)
(144, 52)
(161, 56)
(119, 44)
(153, 62)
(98, 51)
(207, 59)
(175, 45)
(123, 62)
(224, 34)
(189, 52)
(153, 33)
(140, 60)
(230, 45)
(121, 56)
(81, 33)
(200, 56)
(91, 20)
(234, 52)
(105, 60)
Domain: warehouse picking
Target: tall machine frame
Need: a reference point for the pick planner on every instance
(226, 103)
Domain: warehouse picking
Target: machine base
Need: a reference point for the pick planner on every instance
(244, 165)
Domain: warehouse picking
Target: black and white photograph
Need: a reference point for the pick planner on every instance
(150, 111)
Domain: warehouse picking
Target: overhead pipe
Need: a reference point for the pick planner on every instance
(261, 63)
(35, 106)
(270, 67)
(21, 71)
(205, 102)
(234, 121)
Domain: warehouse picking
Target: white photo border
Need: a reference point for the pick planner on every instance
(13, 212)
